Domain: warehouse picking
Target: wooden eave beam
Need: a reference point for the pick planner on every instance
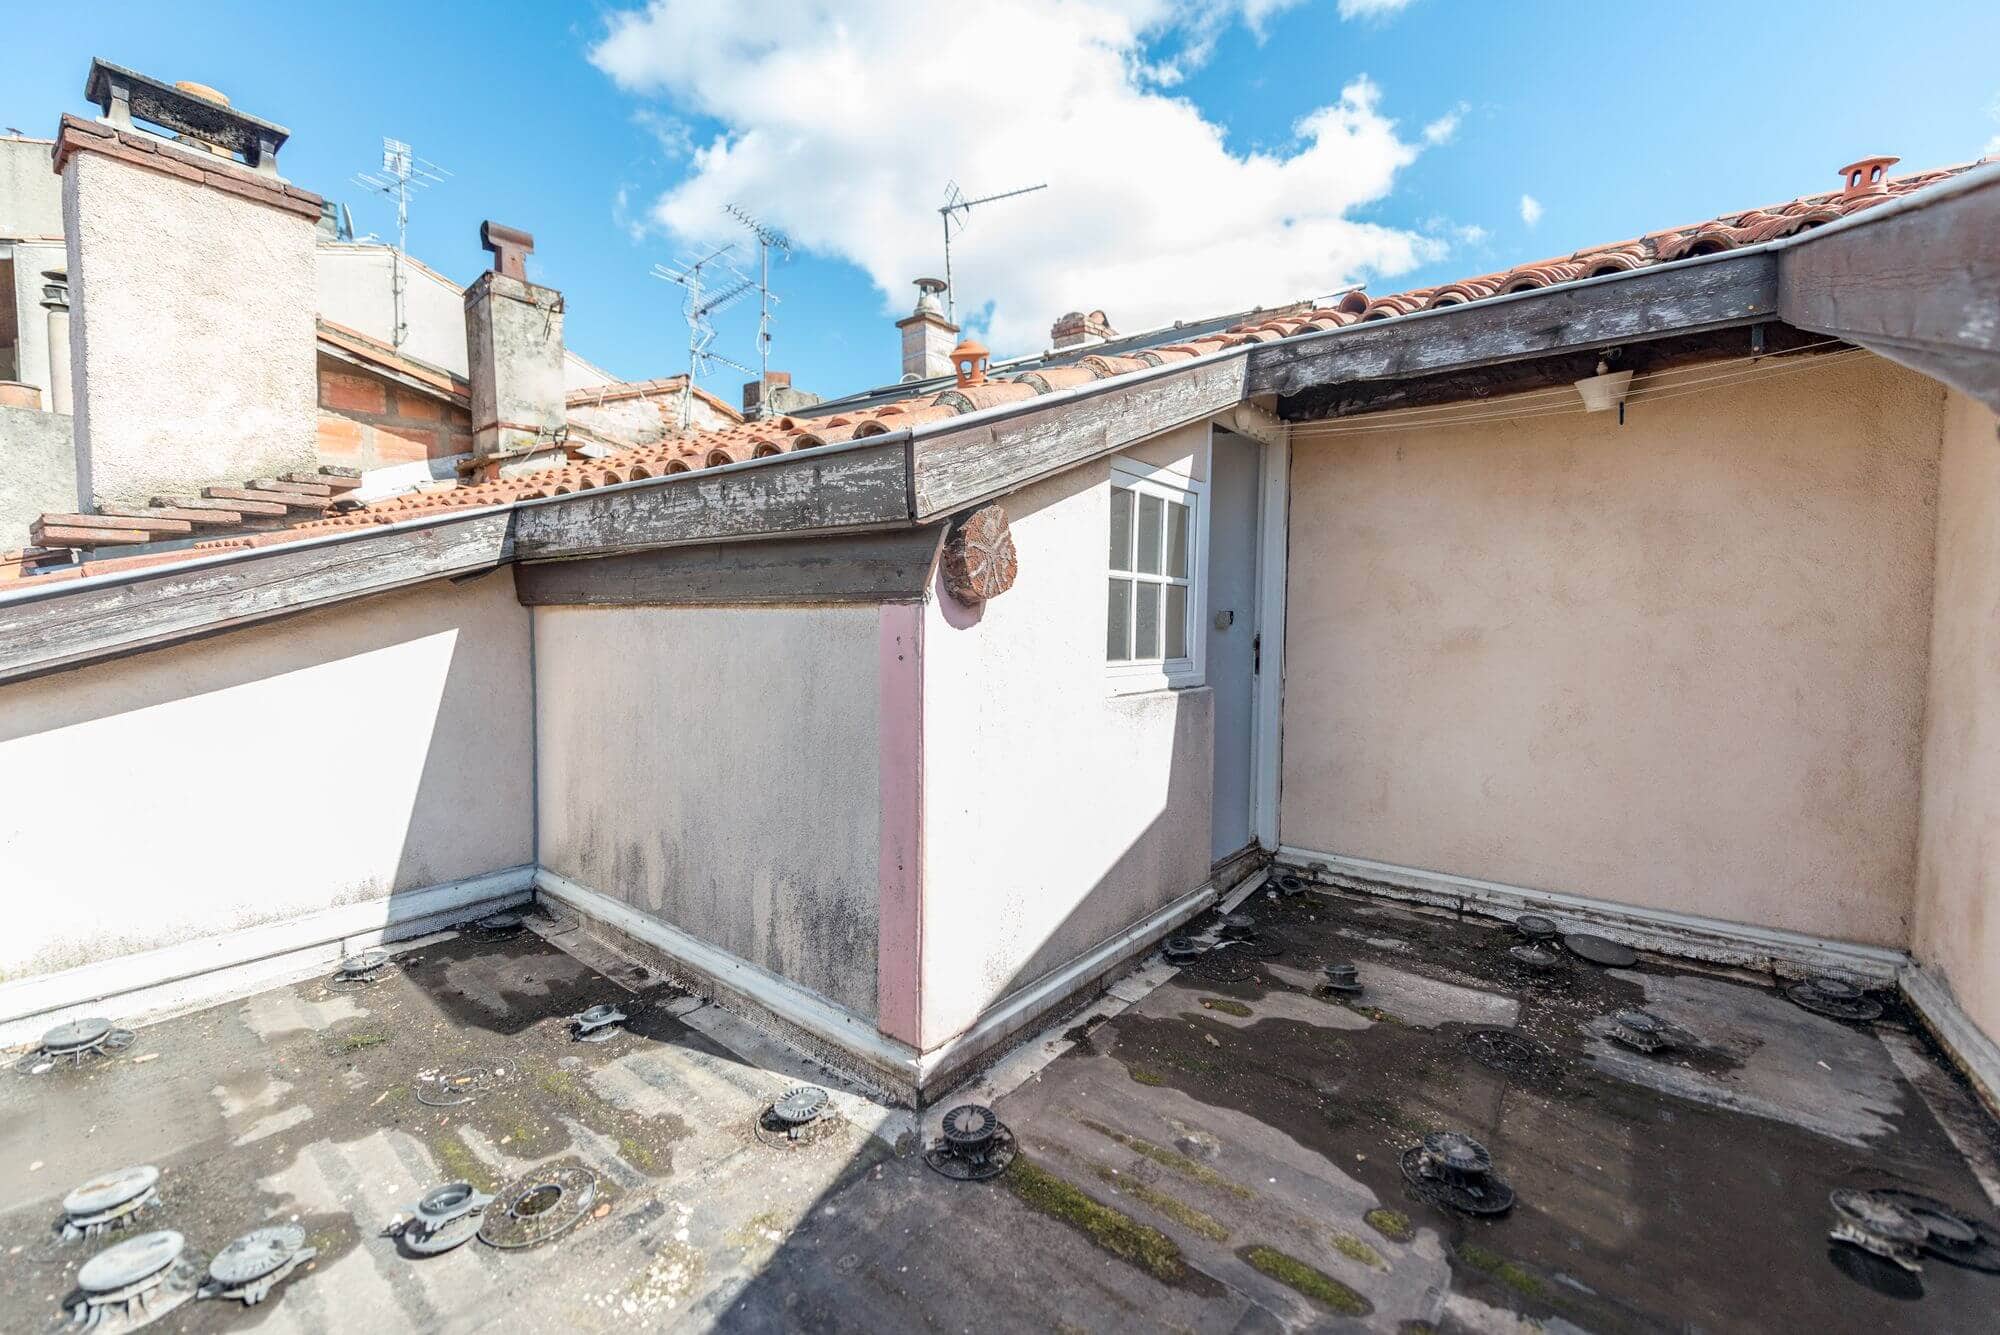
(841, 487)
(962, 464)
(68, 623)
(1714, 292)
(871, 566)
(1915, 280)
(395, 375)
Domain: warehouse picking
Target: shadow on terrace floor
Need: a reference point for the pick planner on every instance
(1224, 1155)
(1219, 1156)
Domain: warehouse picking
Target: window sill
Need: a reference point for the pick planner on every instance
(1141, 681)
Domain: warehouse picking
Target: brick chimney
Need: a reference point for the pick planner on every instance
(928, 337)
(1077, 329)
(514, 359)
(773, 396)
(190, 292)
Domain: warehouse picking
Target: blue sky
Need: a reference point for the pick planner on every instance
(1195, 165)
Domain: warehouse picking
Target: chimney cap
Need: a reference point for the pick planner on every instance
(1074, 327)
(510, 246)
(928, 290)
(1867, 176)
(191, 109)
(202, 90)
(969, 358)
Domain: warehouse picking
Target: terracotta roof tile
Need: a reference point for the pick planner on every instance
(781, 435)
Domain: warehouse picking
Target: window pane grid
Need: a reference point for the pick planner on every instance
(1150, 556)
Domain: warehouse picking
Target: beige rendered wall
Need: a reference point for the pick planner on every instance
(1056, 814)
(1677, 664)
(335, 758)
(717, 768)
(191, 331)
(355, 287)
(30, 194)
(1958, 860)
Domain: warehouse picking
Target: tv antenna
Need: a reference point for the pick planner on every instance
(711, 283)
(768, 240)
(954, 209)
(402, 172)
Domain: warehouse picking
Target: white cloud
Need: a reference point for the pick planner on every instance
(842, 123)
(1201, 25)
(621, 216)
(671, 133)
(1372, 9)
(1531, 210)
(1444, 127)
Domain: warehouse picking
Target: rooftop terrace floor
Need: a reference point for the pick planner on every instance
(1213, 1148)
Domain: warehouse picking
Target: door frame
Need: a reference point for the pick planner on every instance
(1273, 547)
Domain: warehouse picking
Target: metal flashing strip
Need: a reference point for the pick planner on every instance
(1975, 1053)
(159, 984)
(1714, 940)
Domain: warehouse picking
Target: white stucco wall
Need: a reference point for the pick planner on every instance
(30, 194)
(354, 289)
(336, 758)
(191, 331)
(717, 768)
(1056, 814)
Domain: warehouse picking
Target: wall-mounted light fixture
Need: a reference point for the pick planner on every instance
(1605, 390)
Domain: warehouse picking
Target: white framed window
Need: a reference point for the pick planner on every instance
(1154, 580)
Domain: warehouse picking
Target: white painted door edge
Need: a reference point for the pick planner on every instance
(1273, 571)
(154, 985)
(1714, 940)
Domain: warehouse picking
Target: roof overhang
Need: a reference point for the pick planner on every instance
(1927, 297)
(1915, 280)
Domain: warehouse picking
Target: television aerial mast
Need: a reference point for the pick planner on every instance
(711, 283)
(768, 240)
(402, 172)
(954, 210)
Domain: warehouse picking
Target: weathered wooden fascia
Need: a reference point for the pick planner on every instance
(1737, 287)
(985, 455)
(1915, 280)
(1845, 287)
(48, 627)
(863, 566)
(853, 485)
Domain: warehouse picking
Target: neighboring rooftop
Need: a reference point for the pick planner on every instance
(1864, 184)
(1214, 1147)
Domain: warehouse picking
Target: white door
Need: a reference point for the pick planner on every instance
(1234, 495)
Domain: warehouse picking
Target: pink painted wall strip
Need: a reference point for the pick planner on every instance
(899, 681)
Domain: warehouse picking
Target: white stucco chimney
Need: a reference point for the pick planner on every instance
(928, 337)
(190, 292)
(514, 359)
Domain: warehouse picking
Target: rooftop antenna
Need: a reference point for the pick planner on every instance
(768, 240)
(402, 172)
(955, 207)
(699, 307)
